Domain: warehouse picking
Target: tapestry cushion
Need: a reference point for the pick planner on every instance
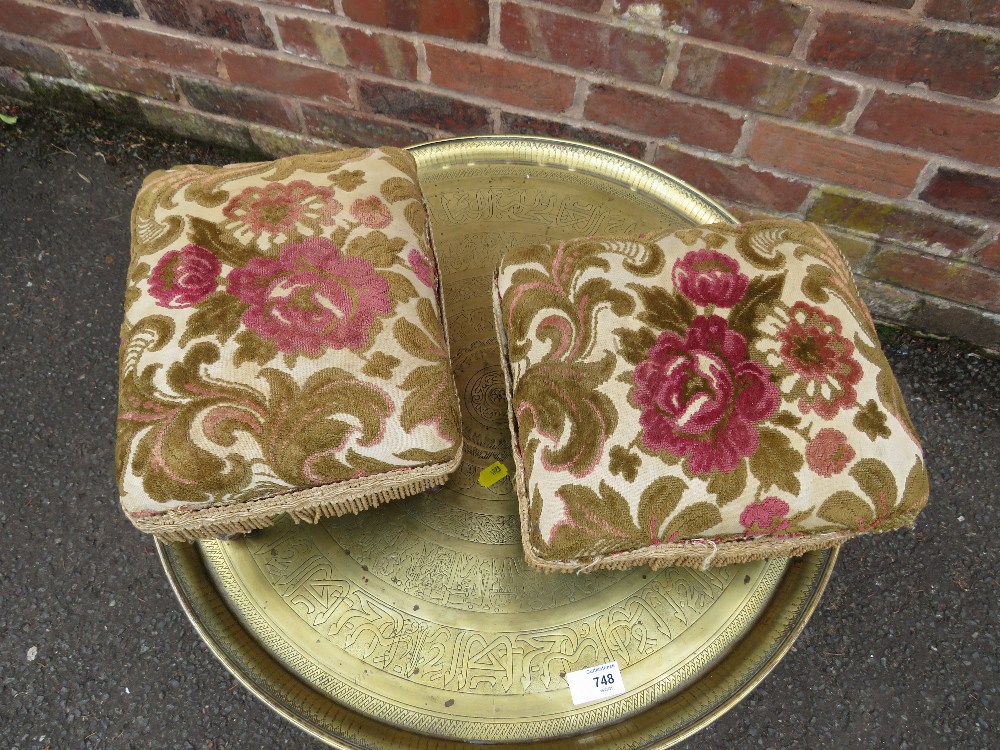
(706, 396)
(283, 347)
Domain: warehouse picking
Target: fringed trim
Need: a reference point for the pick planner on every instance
(308, 505)
(702, 553)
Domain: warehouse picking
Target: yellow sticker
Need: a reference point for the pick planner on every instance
(492, 474)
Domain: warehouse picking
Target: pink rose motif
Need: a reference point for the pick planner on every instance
(310, 298)
(701, 397)
(767, 516)
(280, 212)
(829, 453)
(707, 277)
(812, 347)
(421, 267)
(184, 277)
(372, 212)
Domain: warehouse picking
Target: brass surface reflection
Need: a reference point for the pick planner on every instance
(418, 623)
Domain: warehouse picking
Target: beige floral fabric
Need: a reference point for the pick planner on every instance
(707, 396)
(283, 348)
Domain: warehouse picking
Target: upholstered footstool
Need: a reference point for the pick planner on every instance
(283, 348)
(709, 396)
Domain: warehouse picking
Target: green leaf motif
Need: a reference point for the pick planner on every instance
(252, 348)
(575, 305)
(397, 189)
(623, 463)
(728, 487)
(309, 424)
(376, 247)
(847, 511)
(599, 523)
(648, 265)
(762, 294)
(218, 316)
(380, 365)
(886, 385)
(656, 504)
(222, 244)
(775, 463)
(876, 480)
(758, 241)
(786, 419)
(401, 289)
(155, 428)
(348, 180)
(692, 522)
(424, 456)
(416, 341)
(430, 398)
(368, 465)
(817, 281)
(562, 402)
(915, 492)
(665, 311)
(416, 217)
(872, 421)
(401, 161)
(634, 345)
(150, 236)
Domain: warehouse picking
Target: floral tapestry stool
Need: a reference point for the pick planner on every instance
(283, 348)
(708, 396)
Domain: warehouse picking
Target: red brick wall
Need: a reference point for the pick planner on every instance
(878, 119)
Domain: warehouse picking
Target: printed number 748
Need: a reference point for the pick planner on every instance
(604, 679)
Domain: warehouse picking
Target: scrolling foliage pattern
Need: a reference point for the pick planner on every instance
(282, 330)
(716, 383)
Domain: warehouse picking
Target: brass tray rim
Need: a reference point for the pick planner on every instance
(815, 567)
(775, 647)
(482, 142)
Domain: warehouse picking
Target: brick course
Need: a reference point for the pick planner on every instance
(961, 282)
(952, 130)
(893, 222)
(694, 124)
(240, 103)
(28, 55)
(121, 7)
(113, 72)
(741, 183)
(965, 193)
(878, 119)
(50, 24)
(349, 127)
(507, 81)
(462, 20)
(989, 256)
(774, 89)
(761, 25)
(583, 44)
(986, 12)
(954, 62)
(166, 48)
(518, 124)
(433, 110)
(835, 160)
(242, 23)
(287, 77)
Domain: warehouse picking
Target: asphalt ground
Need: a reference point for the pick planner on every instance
(96, 653)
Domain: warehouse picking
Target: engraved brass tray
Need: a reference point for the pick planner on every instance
(418, 624)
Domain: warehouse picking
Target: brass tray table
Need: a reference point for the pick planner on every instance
(418, 624)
